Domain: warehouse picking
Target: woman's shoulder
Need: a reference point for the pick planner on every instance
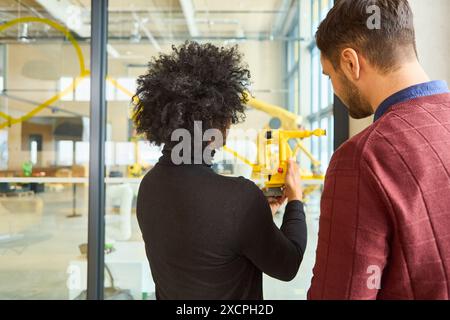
(242, 186)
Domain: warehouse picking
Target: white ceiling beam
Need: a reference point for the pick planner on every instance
(281, 18)
(189, 14)
(69, 14)
(147, 32)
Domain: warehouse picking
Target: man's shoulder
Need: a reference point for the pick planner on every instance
(410, 125)
(349, 154)
(402, 128)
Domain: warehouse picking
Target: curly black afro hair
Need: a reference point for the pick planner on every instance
(196, 82)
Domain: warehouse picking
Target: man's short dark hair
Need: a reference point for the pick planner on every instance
(384, 43)
(195, 82)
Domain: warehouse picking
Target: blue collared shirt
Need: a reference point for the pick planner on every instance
(419, 90)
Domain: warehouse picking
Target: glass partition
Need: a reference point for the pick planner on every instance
(44, 129)
(271, 36)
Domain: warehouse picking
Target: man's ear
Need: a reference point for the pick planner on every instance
(350, 64)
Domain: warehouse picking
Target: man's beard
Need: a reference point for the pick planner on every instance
(358, 107)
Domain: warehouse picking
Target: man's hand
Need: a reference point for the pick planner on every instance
(293, 184)
(275, 203)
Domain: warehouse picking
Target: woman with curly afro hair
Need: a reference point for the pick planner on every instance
(208, 236)
(200, 83)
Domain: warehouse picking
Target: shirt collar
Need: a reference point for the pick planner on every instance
(417, 91)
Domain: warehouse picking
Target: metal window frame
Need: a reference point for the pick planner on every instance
(341, 125)
(96, 218)
(292, 67)
(341, 121)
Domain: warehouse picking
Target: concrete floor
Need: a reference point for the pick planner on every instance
(34, 265)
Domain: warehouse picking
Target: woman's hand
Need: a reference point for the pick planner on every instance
(292, 189)
(275, 203)
(293, 184)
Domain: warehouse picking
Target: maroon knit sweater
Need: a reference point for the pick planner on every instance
(386, 208)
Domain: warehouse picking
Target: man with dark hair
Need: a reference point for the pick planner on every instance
(208, 236)
(384, 230)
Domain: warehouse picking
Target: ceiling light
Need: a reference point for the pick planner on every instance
(24, 33)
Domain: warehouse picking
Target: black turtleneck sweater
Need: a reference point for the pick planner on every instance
(211, 237)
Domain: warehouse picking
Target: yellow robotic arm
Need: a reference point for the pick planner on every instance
(287, 121)
(274, 150)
